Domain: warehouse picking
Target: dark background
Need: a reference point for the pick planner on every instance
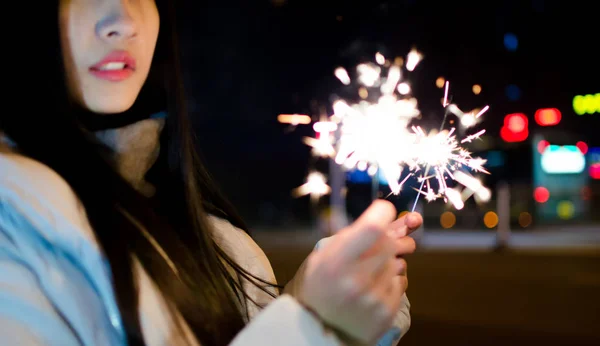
(248, 61)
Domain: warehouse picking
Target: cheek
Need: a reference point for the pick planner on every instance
(152, 25)
(69, 40)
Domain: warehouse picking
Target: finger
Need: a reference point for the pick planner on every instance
(385, 245)
(379, 214)
(401, 266)
(373, 269)
(405, 246)
(403, 281)
(381, 281)
(393, 296)
(364, 232)
(405, 225)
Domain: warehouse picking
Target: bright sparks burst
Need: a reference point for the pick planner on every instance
(373, 134)
(441, 156)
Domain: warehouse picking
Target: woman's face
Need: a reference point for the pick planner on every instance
(107, 49)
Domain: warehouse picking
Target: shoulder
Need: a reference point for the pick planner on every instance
(239, 245)
(42, 198)
(52, 253)
(247, 254)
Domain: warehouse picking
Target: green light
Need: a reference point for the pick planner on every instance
(565, 210)
(586, 104)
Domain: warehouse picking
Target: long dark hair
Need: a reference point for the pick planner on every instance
(198, 283)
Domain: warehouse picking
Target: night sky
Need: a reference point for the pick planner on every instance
(248, 61)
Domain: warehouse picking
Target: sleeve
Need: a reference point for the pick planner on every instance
(44, 299)
(401, 322)
(282, 321)
(285, 322)
(27, 317)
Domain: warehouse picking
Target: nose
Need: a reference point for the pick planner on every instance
(117, 25)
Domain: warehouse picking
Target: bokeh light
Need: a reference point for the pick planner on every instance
(525, 219)
(541, 194)
(490, 219)
(565, 210)
(582, 146)
(511, 42)
(403, 88)
(440, 82)
(547, 116)
(513, 92)
(516, 124)
(542, 145)
(589, 104)
(476, 89)
(586, 193)
(363, 93)
(447, 219)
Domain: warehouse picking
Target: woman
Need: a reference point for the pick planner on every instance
(107, 240)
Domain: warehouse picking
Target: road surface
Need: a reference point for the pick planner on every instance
(468, 295)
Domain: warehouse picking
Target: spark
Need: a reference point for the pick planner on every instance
(373, 134)
(441, 152)
(474, 185)
(470, 119)
(294, 119)
(315, 186)
(445, 103)
(482, 111)
(380, 58)
(413, 59)
(342, 75)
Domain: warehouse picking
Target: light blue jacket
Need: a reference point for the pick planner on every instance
(55, 283)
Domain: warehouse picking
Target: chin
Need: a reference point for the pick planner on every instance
(117, 104)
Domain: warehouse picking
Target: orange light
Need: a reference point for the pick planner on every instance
(440, 82)
(582, 147)
(294, 119)
(490, 219)
(525, 219)
(541, 194)
(548, 116)
(447, 219)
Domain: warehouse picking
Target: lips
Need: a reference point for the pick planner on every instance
(115, 67)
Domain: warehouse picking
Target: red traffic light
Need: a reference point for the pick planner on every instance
(548, 116)
(515, 128)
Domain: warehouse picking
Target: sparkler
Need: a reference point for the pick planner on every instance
(442, 153)
(373, 134)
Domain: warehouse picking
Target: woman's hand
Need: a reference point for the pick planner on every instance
(399, 231)
(353, 283)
